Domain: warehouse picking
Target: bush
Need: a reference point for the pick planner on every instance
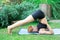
(54, 3)
(27, 8)
(12, 12)
(3, 17)
(55, 9)
(15, 12)
(7, 15)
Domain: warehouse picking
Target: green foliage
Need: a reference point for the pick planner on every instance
(27, 8)
(3, 18)
(56, 9)
(12, 12)
(7, 15)
(55, 4)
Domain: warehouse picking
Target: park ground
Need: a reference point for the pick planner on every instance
(15, 36)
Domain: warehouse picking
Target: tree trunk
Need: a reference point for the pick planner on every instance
(46, 9)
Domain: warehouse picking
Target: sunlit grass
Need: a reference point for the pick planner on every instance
(16, 36)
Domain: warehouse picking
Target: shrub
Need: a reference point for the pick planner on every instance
(7, 15)
(55, 9)
(12, 12)
(27, 8)
(3, 17)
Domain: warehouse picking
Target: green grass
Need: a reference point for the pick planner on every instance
(16, 36)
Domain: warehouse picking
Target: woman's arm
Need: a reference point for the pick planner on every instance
(44, 21)
(43, 31)
(49, 28)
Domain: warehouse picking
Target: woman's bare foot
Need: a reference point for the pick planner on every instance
(9, 30)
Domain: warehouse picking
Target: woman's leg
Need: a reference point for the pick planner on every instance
(19, 23)
(44, 21)
(43, 31)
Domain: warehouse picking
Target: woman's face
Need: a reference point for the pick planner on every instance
(34, 29)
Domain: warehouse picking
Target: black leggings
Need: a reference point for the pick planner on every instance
(38, 15)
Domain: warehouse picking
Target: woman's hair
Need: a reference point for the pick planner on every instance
(30, 29)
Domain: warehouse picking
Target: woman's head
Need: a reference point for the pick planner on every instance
(30, 29)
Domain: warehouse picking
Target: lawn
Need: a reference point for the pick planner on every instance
(16, 36)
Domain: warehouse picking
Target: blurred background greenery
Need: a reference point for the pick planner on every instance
(11, 10)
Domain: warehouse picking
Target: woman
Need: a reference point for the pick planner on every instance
(40, 28)
(37, 15)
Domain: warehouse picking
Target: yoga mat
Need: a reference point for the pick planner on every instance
(24, 31)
